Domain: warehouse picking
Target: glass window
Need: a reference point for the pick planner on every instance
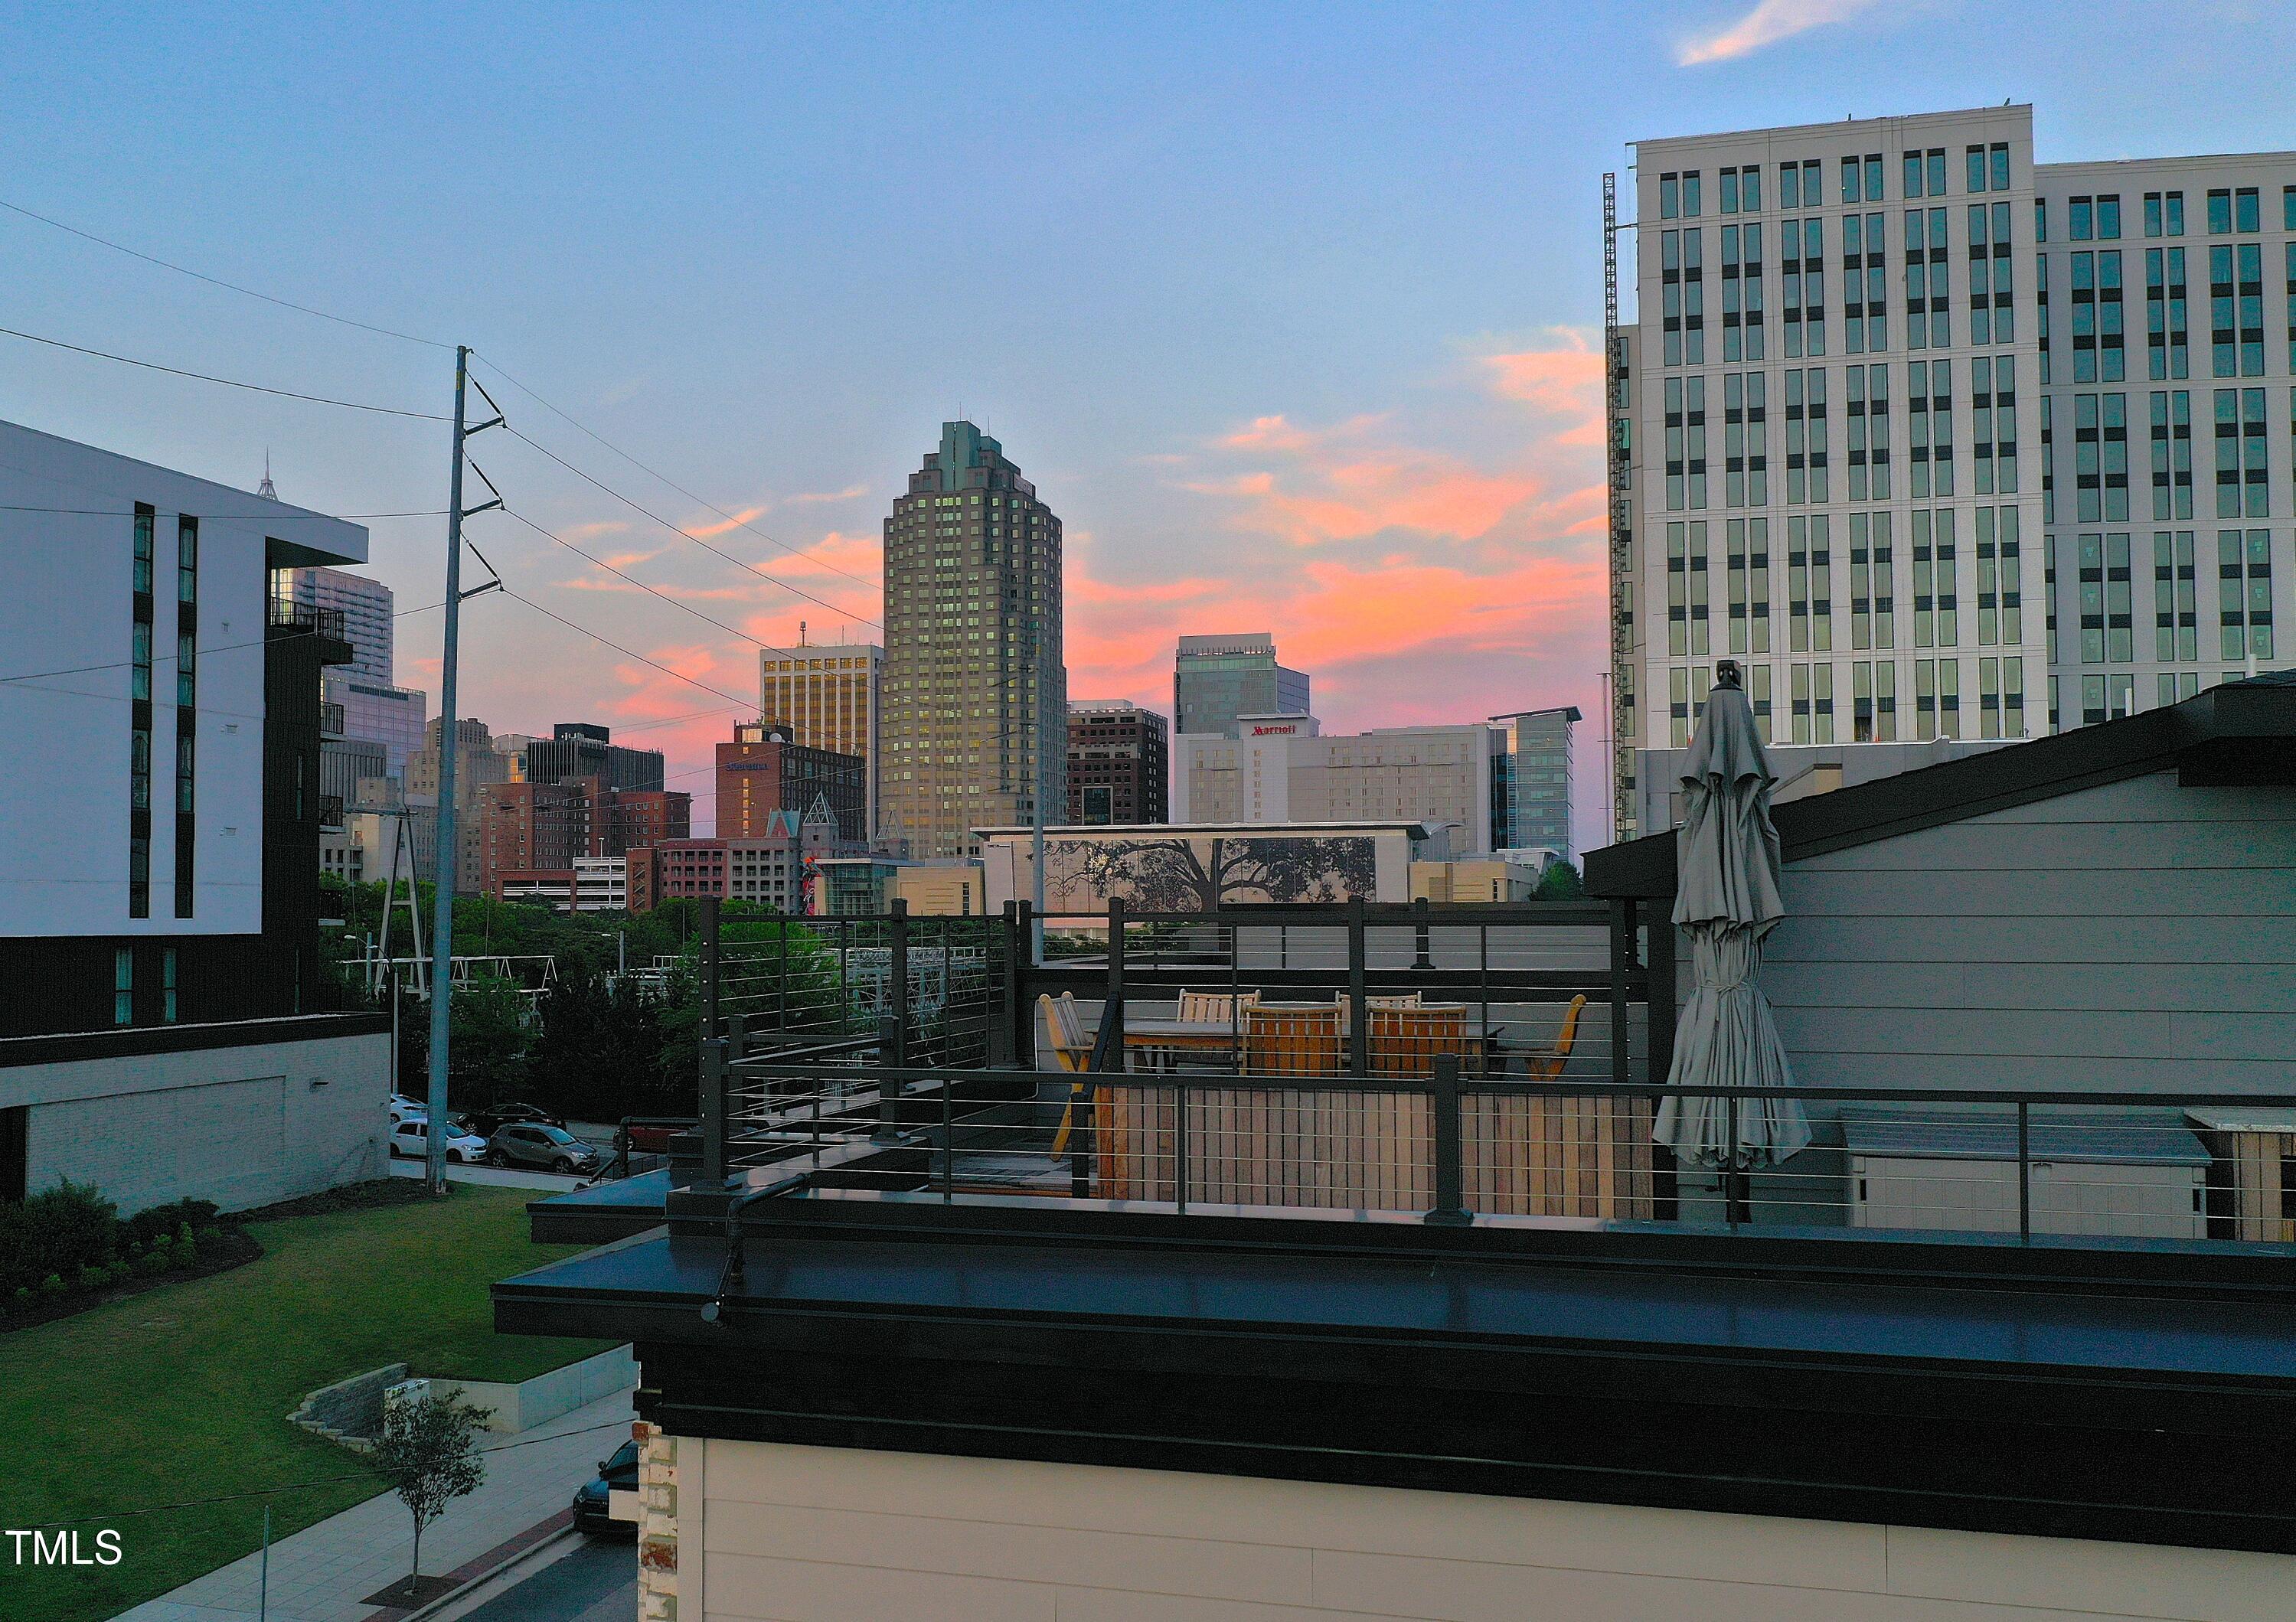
(2081, 213)
(2108, 219)
(167, 986)
(2220, 211)
(123, 987)
(2000, 156)
(2245, 211)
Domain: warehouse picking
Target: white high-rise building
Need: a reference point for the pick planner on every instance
(1906, 426)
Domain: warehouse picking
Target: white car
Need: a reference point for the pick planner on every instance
(411, 1137)
(403, 1108)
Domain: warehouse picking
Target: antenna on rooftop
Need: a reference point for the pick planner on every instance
(266, 489)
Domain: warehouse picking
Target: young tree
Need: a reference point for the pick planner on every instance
(428, 1453)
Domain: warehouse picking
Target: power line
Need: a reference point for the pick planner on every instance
(666, 478)
(687, 534)
(283, 512)
(642, 586)
(227, 647)
(628, 652)
(227, 382)
(199, 275)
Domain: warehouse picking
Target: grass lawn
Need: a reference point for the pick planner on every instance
(183, 1392)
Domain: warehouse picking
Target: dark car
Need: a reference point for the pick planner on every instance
(548, 1147)
(592, 1499)
(492, 1120)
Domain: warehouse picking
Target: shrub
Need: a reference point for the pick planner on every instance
(51, 1286)
(185, 1253)
(56, 1232)
(153, 1262)
(91, 1277)
(149, 1225)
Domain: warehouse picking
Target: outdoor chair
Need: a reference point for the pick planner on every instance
(1548, 1066)
(1213, 1007)
(1063, 1031)
(1405, 1039)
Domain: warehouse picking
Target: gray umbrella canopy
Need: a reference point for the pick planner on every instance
(1726, 899)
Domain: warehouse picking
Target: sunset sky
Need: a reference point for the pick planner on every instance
(1291, 313)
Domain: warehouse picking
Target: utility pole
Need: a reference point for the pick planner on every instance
(442, 904)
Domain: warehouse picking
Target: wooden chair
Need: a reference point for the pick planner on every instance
(1405, 999)
(1405, 1039)
(1063, 1031)
(1548, 1066)
(1213, 1007)
(1292, 1039)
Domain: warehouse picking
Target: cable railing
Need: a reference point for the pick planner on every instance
(1451, 1148)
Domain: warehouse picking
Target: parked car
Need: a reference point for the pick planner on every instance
(593, 1498)
(550, 1148)
(493, 1118)
(411, 1138)
(402, 1106)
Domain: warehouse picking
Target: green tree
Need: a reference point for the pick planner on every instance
(1561, 882)
(428, 1453)
(488, 1041)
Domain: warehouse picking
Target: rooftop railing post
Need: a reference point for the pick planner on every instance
(1180, 1143)
(897, 977)
(1728, 1179)
(2024, 1173)
(1660, 997)
(1112, 1012)
(713, 1111)
(781, 999)
(712, 966)
(1358, 1016)
(1450, 1209)
(1622, 962)
(1422, 957)
(948, 1141)
(889, 1088)
(1019, 1015)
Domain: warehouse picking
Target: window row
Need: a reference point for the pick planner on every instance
(1990, 406)
(1859, 700)
(1802, 183)
(1782, 582)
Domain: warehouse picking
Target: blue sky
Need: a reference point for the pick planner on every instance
(1285, 308)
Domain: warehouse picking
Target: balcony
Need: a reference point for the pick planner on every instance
(284, 619)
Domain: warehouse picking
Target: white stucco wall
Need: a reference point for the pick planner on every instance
(66, 552)
(242, 1126)
(827, 1535)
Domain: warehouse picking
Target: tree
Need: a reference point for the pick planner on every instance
(1185, 875)
(1561, 882)
(488, 1047)
(428, 1453)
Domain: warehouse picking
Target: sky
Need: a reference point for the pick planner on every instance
(1292, 313)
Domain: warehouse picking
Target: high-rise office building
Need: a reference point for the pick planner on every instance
(975, 700)
(1215, 679)
(477, 768)
(367, 605)
(1119, 764)
(765, 770)
(1530, 781)
(374, 710)
(827, 695)
(583, 748)
(1894, 431)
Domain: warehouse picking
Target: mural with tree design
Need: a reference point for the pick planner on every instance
(1200, 874)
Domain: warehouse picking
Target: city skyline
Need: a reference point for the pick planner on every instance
(1320, 385)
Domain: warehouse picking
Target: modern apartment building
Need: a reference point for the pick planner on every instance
(1119, 764)
(1285, 769)
(1907, 426)
(1530, 781)
(372, 709)
(1216, 679)
(975, 695)
(166, 1023)
(764, 771)
(828, 696)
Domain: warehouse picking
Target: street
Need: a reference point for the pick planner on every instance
(595, 1581)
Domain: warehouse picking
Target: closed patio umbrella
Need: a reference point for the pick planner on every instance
(1726, 868)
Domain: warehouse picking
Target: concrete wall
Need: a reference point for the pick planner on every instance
(522, 1404)
(2133, 934)
(241, 1126)
(756, 1530)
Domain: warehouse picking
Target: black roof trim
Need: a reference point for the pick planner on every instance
(2220, 727)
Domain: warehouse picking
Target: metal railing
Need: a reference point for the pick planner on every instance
(2113, 1167)
(282, 614)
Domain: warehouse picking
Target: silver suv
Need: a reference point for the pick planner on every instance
(548, 1148)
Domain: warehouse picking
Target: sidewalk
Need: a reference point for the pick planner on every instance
(323, 1573)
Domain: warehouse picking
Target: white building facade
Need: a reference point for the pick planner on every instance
(1940, 443)
(1284, 768)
